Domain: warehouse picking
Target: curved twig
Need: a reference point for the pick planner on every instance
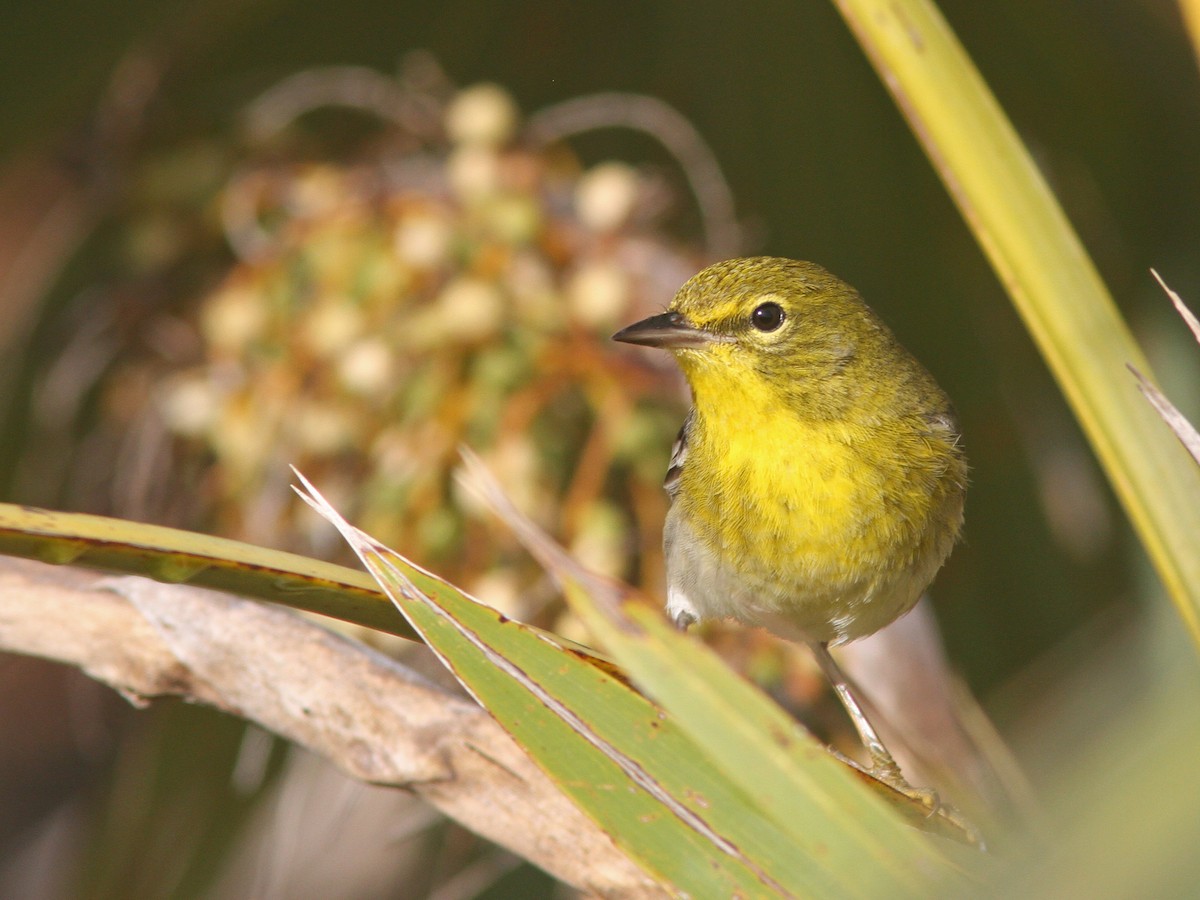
(714, 197)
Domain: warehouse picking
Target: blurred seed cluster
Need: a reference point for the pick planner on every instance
(382, 312)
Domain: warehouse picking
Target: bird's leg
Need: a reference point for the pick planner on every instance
(881, 759)
(883, 766)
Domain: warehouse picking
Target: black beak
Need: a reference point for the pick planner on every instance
(668, 330)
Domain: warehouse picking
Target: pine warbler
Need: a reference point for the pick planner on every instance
(817, 483)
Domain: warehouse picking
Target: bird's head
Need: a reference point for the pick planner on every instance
(770, 325)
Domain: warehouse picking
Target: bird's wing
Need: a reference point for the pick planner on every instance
(678, 456)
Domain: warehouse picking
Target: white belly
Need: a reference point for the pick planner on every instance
(702, 585)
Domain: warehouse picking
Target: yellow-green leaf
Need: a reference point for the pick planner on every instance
(174, 556)
(1047, 273)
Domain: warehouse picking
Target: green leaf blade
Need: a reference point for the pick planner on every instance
(612, 751)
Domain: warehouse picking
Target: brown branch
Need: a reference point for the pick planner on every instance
(366, 713)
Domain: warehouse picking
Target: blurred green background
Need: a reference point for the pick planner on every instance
(1106, 94)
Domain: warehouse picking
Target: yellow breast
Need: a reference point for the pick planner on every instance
(819, 522)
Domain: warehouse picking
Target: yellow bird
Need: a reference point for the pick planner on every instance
(817, 483)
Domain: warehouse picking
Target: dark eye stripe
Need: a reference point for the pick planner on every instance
(767, 317)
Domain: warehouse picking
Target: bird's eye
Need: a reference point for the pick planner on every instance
(767, 317)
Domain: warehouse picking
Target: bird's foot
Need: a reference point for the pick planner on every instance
(884, 768)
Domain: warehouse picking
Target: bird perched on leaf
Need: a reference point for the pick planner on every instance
(817, 483)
